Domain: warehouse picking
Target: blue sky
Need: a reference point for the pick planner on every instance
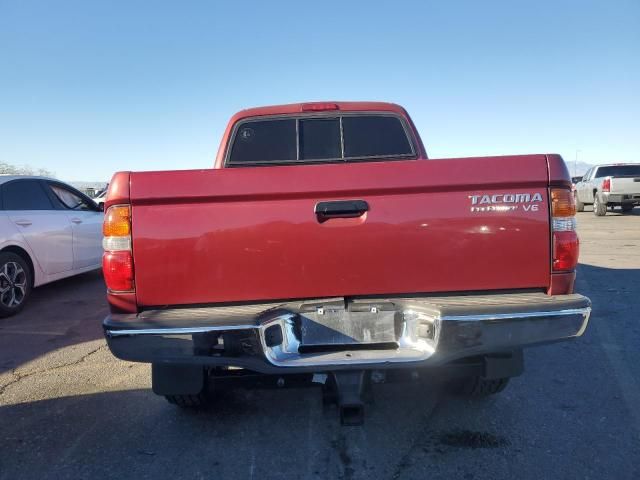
(89, 88)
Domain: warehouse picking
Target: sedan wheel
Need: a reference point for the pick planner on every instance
(15, 283)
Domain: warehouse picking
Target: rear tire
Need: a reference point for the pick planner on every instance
(15, 283)
(188, 401)
(479, 387)
(579, 204)
(627, 208)
(599, 208)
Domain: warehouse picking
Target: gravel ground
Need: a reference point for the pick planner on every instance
(69, 409)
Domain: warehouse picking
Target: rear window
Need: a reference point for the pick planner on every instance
(374, 137)
(619, 171)
(319, 139)
(266, 141)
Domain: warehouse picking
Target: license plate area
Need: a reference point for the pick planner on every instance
(336, 326)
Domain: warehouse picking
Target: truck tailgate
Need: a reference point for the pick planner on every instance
(625, 185)
(250, 234)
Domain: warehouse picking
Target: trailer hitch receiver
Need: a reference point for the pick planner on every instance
(349, 385)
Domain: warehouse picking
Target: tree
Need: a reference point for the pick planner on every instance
(24, 170)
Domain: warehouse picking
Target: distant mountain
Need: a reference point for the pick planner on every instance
(577, 169)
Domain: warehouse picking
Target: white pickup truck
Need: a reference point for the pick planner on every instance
(609, 186)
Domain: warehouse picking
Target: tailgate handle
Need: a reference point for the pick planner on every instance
(340, 209)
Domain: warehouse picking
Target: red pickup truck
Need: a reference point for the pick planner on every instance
(324, 247)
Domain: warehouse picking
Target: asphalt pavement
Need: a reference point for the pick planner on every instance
(69, 409)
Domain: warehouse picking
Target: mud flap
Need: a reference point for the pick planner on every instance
(174, 379)
(504, 365)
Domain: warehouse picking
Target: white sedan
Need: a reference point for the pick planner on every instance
(48, 231)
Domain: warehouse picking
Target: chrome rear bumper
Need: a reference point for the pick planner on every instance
(267, 338)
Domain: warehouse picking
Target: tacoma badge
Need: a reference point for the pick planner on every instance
(505, 202)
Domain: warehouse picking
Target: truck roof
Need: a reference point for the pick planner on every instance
(616, 164)
(318, 106)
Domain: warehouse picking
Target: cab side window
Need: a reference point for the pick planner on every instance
(587, 176)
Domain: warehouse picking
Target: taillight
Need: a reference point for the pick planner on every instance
(118, 271)
(606, 185)
(563, 204)
(117, 260)
(563, 225)
(117, 221)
